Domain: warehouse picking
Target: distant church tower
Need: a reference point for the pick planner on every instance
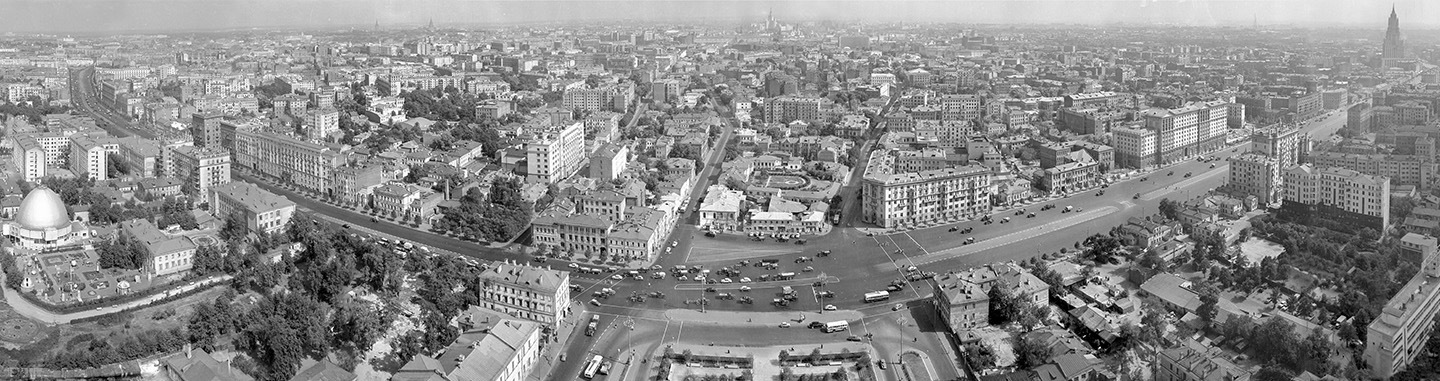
(1394, 41)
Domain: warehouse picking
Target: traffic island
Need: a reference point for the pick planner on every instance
(841, 361)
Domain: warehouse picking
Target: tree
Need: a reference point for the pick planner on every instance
(1029, 353)
(979, 356)
(1103, 249)
(1170, 209)
(208, 259)
(1005, 306)
(1271, 373)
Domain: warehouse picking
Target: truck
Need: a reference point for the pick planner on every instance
(594, 324)
(787, 290)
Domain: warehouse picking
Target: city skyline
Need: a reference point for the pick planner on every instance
(91, 16)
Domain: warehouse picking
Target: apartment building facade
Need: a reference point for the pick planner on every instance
(1254, 174)
(1343, 189)
(894, 198)
(531, 293)
(202, 167)
(262, 211)
(555, 153)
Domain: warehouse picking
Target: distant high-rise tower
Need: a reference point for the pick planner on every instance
(1394, 41)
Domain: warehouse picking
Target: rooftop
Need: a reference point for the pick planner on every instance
(252, 197)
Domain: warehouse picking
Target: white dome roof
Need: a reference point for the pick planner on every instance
(42, 209)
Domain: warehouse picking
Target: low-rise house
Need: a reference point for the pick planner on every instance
(1193, 361)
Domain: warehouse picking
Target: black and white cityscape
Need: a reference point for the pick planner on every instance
(719, 190)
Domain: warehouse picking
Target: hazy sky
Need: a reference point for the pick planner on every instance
(102, 16)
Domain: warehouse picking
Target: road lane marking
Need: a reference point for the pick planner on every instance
(1014, 237)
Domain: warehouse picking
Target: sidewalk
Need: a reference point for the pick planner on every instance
(751, 319)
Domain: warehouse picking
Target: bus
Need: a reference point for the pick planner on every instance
(592, 366)
(836, 326)
(871, 297)
(787, 276)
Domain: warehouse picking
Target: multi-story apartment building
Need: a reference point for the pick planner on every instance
(167, 254)
(1360, 118)
(1187, 131)
(260, 210)
(604, 126)
(1258, 175)
(321, 124)
(205, 128)
(1412, 113)
(1072, 176)
(1399, 334)
(893, 198)
(721, 208)
(492, 348)
(28, 157)
(354, 184)
(1400, 169)
(555, 153)
(88, 158)
(143, 155)
(602, 222)
(405, 200)
(531, 293)
(609, 161)
(961, 304)
(960, 107)
(305, 164)
(202, 167)
(1096, 100)
(1280, 141)
(608, 97)
(1343, 189)
(1134, 147)
(786, 109)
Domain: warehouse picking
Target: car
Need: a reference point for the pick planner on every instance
(825, 253)
(1102, 192)
(969, 240)
(594, 302)
(709, 289)
(784, 324)
(1022, 211)
(374, 220)
(817, 284)
(897, 307)
(1187, 175)
(617, 277)
(815, 325)
(894, 288)
(967, 230)
(911, 269)
(562, 357)
(853, 338)
(745, 280)
(1137, 197)
(682, 278)
(345, 226)
(952, 228)
(1031, 215)
(1004, 220)
(808, 269)
(825, 294)
(881, 364)
(1144, 178)
(573, 265)
(1170, 174)
(830, 307)
(726, 280)
(745, 288)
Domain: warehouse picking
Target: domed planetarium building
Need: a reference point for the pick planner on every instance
(42, 222)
